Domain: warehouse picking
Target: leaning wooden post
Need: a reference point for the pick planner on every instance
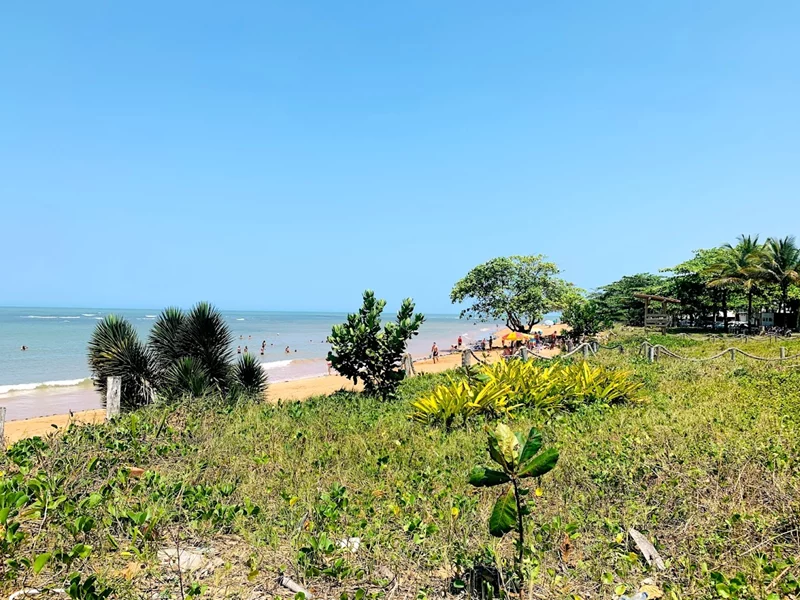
(2, 427)
(595, 346)
(408, 365)
(733, 354)
(651, 354)
(783, 352)
(113, 396)
(621, 349)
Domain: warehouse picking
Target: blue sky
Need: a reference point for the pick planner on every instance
(288, 155)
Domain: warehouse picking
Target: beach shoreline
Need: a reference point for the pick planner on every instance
(293, 390)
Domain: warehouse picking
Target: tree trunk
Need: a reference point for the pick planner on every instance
(725, 311)
(749, 306)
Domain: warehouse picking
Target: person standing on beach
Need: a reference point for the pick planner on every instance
(435, 352)
(238, 349)
(460, 341)
(491, 342)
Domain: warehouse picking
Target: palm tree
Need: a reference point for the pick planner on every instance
(739, 266)
(782, 265)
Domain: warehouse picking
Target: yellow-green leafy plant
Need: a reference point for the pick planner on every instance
(531, 384)
(518, 459)
(583, 383)
(459, 400)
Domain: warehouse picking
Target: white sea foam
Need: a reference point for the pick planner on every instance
(240, 319)
(22, 387)
(88, 314)
(150, 316)
(275, 364)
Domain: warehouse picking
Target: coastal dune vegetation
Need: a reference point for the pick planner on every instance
(349, 497)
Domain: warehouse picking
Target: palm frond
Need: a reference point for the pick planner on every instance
(206, 337)
(249, 376)
(186, 377)
(165, 338)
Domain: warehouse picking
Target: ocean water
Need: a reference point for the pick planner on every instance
(51, 376)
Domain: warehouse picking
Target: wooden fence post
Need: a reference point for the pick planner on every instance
(733, 354)
(466, 358)
(595, 346)
(651, 354)
(523, 353)
(408, 365)
(570, 346)
(783, 352)
(585, 350)
(621, 349)
(2, 427)
(113, 396)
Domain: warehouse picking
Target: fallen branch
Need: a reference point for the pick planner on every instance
(291, 585)
(647, 549)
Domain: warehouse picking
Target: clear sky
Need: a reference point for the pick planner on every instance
(287, 155)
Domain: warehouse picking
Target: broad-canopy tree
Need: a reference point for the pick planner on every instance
(583, 316)
(362, 351)
(519, 290)
(615, 302)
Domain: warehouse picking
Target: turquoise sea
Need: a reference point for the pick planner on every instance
(51, 376)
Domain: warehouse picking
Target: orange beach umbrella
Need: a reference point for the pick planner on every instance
(516, 335)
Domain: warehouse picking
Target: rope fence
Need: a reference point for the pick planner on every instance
(653, 351)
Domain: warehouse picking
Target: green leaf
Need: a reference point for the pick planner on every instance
(504, 514)
(541, 464)
(483, 477)
(504, 447)
(531, 446)
(40, 562)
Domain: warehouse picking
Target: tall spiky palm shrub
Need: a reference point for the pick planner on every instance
(188, 355)
(249, 379)
(739, 266)
(782, 265)
(115, 350)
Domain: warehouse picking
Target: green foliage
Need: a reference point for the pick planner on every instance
(516, 289)
(360, 350)
(502, 387)
(187, 355)
(458, 399)
(615, 302)
(518, 459)
(584, 317)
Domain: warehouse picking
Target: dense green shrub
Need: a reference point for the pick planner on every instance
(361, 351)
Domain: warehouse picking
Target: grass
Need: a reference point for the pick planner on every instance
(706, 466)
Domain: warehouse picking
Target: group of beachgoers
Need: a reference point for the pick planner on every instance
(537, 341)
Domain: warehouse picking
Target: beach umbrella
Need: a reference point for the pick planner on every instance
(549, 323)
(516, 335)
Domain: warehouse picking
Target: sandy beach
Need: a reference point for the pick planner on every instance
(284, 390)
